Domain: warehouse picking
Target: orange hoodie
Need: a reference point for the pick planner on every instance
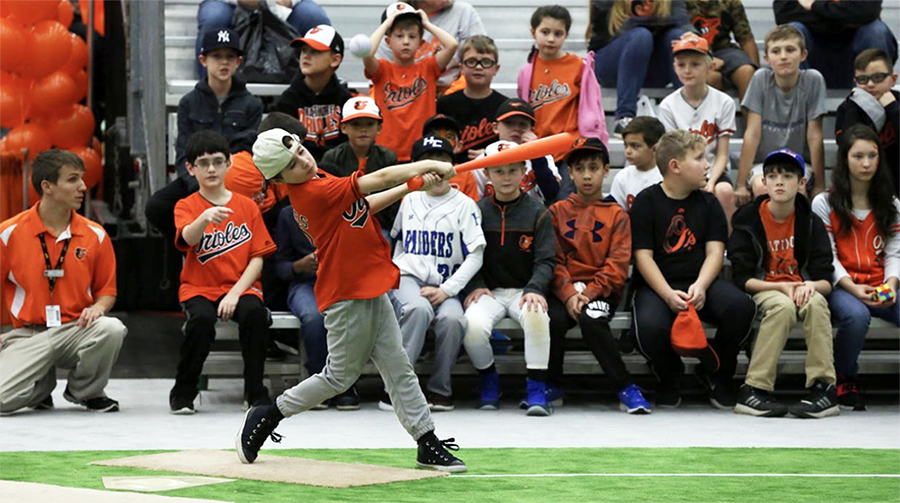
(593, 246)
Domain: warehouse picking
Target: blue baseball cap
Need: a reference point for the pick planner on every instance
(788, 155)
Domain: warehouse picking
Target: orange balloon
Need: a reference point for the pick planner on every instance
(93, 165)
(51, 46)
(81, 85)
(30, 136)
(65, 13)
(12, 45)
(30, 13)
(15, 105)
(79, 56)
(73, 127)
(54, 91)
(96, 145)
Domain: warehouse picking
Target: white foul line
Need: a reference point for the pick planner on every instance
(613, 475)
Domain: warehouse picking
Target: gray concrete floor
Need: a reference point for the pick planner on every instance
(144, 423)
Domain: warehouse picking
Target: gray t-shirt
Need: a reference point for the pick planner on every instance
(460, 20)
(785, 115)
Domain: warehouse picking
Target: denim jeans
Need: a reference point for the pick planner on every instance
(833, 55)
(302, 302)
(633, 59)
(215, 14)
(852, 317)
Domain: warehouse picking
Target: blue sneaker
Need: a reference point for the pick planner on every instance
(500, 343)
(633, 401)
(554, 396)
(490, 392)
(537, 399)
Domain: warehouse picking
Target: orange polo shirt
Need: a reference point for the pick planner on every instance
(90, 267)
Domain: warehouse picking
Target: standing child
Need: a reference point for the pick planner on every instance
(515, 123)
(440, 247)
(780, 254)
(862, 219)
(716, 21)
(699, 108)
(561, 87)
(406, 90)
(315, 95)
(790, 102)
(351, 291)
(640, 137)
(361, 123)
(518, 267)
(225, 240)
(476, 106)
(678, 234)
(876, 104)
(593, 238)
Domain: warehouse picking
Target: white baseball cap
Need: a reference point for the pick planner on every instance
(401, 8)
(321, 38)
(270, 154)
(499, 146)
(362, 106)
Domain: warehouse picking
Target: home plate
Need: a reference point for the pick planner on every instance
(271, 468)
(159, 483)
(29, 491)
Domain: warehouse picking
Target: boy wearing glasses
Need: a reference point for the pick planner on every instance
(475, 107)
(224, 239)
(874, 103)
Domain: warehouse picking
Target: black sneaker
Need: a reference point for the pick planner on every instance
(849, 396)
(384, 403)
(96, 404)
(274, 353)
(45, 404)
(440, 403)
(757, 402)
(621, 124)
(181, 406)
(721, 393)
(347, 400)
(434, 455)
(258, 425)
(668, 398)
(820, 402)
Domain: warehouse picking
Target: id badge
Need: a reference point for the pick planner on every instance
(54, 273)
(54, 317)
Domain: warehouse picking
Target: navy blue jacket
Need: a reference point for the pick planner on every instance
(292, 245)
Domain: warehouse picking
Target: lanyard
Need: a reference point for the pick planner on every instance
(62, 257)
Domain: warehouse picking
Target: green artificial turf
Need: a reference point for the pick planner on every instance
(71, 469)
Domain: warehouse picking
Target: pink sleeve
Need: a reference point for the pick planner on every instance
(591, 119)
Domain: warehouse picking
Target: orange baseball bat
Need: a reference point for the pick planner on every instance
(550, 145)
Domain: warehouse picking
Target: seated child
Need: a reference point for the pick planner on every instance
(439, 248)
(515, 123)
(225, 240)
(518, 267)
(780, 254)
(678, 235)
(406, 90)
(640, 171)
(593, 251)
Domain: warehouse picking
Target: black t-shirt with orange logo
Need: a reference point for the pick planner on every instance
(475, 118)
(677, 230)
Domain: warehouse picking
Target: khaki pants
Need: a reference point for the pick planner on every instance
(779, 314)
(29, 356)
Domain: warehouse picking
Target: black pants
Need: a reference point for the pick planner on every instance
(200, 331)
(727, 307)
(594, 322)
(160, 209)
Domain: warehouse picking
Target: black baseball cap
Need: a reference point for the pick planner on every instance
(439, 120)
(515, 106)
(221, 38)
(431, 144)
(321, 38)
(592, 144)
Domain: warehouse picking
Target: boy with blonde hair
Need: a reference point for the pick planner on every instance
(678, 237)
(790, 103)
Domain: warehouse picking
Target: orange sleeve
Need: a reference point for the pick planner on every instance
(104, 280)
(379, 74)
(262, 245)
(469, 186)
(184, 216)
(561, 284)
(456, 86)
